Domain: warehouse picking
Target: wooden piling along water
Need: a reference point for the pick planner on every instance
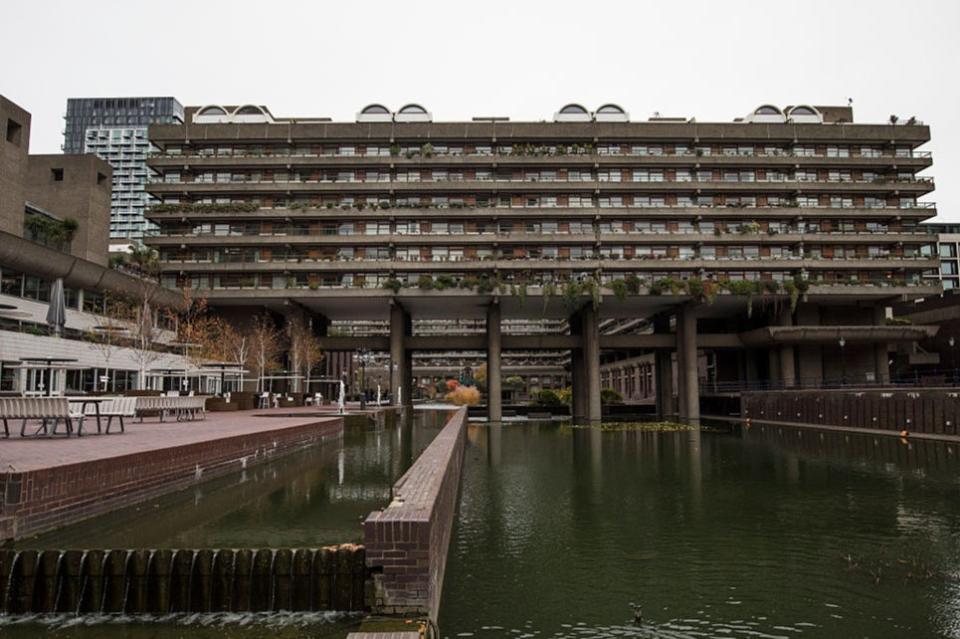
(164, 581)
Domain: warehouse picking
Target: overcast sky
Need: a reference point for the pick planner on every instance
(712, 59)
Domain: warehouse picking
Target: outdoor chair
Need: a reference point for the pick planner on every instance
(120, 407)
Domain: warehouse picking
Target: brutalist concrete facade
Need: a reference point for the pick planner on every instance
(719, 237)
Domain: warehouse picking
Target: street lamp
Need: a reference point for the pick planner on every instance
(843, 361)
(363, 356)
(953, 358)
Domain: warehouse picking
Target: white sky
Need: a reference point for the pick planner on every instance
(712, 59)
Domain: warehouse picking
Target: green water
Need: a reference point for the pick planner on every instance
(778, 533)
(312, 498)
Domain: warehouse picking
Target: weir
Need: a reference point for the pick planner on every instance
(188, 581)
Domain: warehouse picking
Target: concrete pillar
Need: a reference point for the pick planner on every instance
(810, 357)
(773, 367)
(688, 375)
(788, 371)
(399, 360)
(881, 352)
(663, 361)
(494, 386)
(578, 386)
(591, 363)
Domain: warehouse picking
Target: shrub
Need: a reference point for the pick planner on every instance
(620, 289)
(610, 396)
(425, 282)
(393, 284)
(451, 384)
(464, 396)
(549, 397)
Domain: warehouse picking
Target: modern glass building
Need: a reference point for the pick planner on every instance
(115, 129)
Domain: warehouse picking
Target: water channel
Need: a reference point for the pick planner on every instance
(566, 532)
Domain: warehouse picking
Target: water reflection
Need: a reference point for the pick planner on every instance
(561, 530)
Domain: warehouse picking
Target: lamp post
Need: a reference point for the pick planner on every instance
(953, 359)
(363, 356)
(843, 361)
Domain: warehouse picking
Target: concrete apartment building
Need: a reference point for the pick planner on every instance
(115, 129)
(54, 218)
(767, 249)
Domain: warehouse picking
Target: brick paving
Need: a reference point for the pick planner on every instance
(26, 454)
(48, 483)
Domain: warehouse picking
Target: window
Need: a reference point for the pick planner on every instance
(948, 250)
(57, 175)
(948, 268)
(14, 132)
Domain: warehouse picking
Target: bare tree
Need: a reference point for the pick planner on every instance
(236, 347)
(264, 347)
(305, 352)
(111, 331)
(145, 336)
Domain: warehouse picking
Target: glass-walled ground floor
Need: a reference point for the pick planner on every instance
(15, 377)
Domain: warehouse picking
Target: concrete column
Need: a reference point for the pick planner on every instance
(494, 386)
(591, 361)
(773, 367)
(788, 371)
(687, 372)
(881, 352)
(810, 357)
(663, 382)
(399, 379)
(578, 386)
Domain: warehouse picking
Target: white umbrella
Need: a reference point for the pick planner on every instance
(57, 312)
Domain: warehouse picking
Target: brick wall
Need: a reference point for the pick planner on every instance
(407, 541)
(38, 501)
(917, 411)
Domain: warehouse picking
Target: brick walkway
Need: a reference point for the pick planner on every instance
(26, 454)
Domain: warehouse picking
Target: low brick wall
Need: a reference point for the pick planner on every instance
(407, 542)
(918, 411)
(40, 500)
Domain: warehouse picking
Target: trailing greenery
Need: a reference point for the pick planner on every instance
(50, 231)
(549, 397)
(898, 321)
(224, 207)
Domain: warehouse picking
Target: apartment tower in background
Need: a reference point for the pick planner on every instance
(115, 129)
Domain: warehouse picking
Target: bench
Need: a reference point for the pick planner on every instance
(119, 407)
(181, 407)
(45, 409)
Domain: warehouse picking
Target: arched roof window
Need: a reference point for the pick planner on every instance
(211, 114)
(804, 113)
(768, 109)
(573, 109)
(249, 109)
(611, 113)
(610, 108)
(413, 113)
(377, 109)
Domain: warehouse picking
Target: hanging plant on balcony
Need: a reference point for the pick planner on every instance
(620, 289)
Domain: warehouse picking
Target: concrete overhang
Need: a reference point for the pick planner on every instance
(36, 259)
(831, 334)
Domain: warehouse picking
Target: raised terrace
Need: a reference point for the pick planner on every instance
(48, 483)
